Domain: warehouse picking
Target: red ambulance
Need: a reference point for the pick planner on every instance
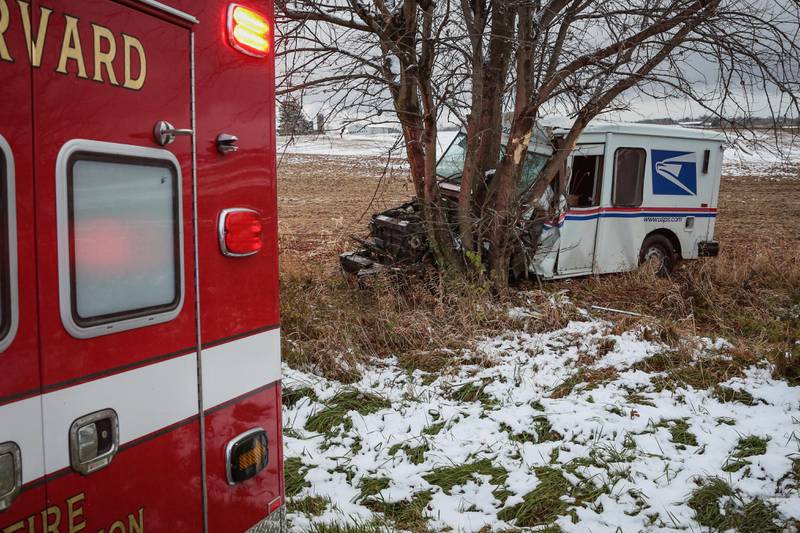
(139, 316)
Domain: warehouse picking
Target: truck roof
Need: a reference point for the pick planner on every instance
(650, 130)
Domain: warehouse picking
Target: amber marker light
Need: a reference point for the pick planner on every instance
(248, 31)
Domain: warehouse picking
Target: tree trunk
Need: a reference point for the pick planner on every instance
(485, 123)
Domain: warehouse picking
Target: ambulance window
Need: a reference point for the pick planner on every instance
(629, 165)
(5, 259)
(124, 238)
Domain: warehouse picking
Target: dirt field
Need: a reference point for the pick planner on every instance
(323, 199)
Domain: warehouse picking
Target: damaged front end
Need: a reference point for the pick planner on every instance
(397, 240)
(397, 237)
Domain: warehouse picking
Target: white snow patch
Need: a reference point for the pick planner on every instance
(622, 422)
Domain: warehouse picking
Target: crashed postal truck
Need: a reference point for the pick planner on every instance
(630, 194)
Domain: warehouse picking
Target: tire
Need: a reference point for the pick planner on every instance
(658, 249)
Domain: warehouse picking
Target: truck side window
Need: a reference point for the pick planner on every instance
(124, 238)
(584, 185)
(629, 165)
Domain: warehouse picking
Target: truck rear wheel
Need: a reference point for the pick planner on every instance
(658, 253)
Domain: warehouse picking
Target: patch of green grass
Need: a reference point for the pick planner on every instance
(291, 396)
(374, 526)
(370, 486)
(521, 437)
(295, 475)
(433, 429)
(337, 408)
(451, 476)
(309, 506)
(679, 430)
(554, 454)
(727, 395)
(549, 500)
(791, 480)
(680, 369)
(473, 392)
(427, 379)
(544, 430)
(735, 465)
(564, 388)
(749, 446)
(616, 410)
(640, 399)
(432, 362)
(681, 434)
(347, 471)
(725, 420)
(607, 457)
(537, 405)
(407, 515)
(720, 508)
(588, 378)
(291, 432)
(357, 445)
(415, 454)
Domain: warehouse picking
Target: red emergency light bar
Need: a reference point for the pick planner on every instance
(248, 31)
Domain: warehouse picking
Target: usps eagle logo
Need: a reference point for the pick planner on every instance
(674, 173)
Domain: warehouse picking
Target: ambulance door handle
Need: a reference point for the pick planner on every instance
(94, 441)
(165, 133)
(226, 143)
(10, 473)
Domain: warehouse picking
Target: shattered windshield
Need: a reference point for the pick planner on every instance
(451, 165)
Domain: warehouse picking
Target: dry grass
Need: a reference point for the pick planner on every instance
(331, 325)
(749, 295)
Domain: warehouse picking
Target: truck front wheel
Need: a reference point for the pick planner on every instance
(658, 253)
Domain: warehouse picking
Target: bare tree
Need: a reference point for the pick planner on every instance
(475, 59)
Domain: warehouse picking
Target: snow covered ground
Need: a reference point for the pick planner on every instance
(380, 145)
(764, 159)
(573, 428)
(341, 145)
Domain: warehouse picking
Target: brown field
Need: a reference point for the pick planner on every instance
(323, 199)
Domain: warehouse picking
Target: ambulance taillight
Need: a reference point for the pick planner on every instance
(240, 232)
(248, 31)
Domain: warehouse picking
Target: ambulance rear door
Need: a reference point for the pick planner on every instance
(113, 141)
(22, 493)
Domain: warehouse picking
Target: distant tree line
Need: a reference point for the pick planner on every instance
(717, 122)
(292, 119)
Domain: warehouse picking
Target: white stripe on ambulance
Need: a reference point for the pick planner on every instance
(146, 399)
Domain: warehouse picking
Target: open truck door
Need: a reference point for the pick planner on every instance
(579, 230)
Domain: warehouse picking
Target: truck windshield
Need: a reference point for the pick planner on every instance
(451, 164)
